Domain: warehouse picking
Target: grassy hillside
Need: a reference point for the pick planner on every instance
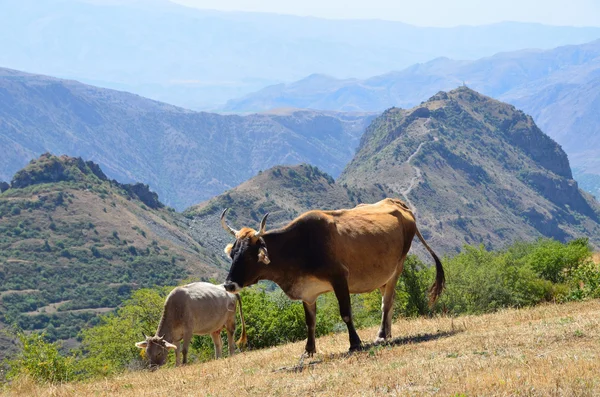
(74, 244)
(185, 156)
(547, 350)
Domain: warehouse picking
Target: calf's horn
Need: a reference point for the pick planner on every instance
(225, 225)
(263, 225)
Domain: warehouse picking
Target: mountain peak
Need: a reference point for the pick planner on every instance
(49, 168)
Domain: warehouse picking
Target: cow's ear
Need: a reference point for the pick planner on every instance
(170, 346)
(228, 249)
(263, 255)
(142, 345)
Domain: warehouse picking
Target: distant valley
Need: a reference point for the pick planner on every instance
(185, 156)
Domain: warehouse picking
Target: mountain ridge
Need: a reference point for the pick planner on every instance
(74, 244)
(558, 87)
(160, 51)
(186, 156)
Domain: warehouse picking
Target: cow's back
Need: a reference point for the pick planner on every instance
(208, 306)
(370, 239)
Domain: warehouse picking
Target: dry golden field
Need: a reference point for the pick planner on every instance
(550, 350)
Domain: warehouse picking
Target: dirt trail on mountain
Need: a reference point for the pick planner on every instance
(417, 178)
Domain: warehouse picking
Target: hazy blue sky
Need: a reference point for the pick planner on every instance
(426, 12)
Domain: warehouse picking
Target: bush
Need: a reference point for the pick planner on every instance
(553, 260)
(480, 281)
(40, 360)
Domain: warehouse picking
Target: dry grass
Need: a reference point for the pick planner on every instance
(596, 257)
(544, 351)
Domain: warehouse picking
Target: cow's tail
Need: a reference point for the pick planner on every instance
(440, 279)
(243, 341)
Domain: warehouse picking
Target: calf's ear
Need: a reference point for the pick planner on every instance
(228, 249)
(170, 346)
(142, 345)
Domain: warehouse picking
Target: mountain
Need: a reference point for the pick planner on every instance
(510, 74)
(475, 169)
(196, 58)
(74, 244)
(560, 88)
(185, 156)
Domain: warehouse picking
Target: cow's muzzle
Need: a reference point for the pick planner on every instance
(231, 287)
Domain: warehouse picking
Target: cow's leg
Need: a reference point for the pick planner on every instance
(216, 337)
(310, 314)
(340, 288)
(388, 293)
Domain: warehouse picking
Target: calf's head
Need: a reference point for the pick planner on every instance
(248, 254)
(157, 349)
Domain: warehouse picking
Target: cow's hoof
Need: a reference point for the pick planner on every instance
(379, 340)
(309, 353)
(355, 348)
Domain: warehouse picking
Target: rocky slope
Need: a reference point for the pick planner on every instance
(476, 170)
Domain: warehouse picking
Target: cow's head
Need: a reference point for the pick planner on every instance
(248, 254)
(157, 349)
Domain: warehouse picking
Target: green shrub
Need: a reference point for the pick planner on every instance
(479, 281)
(553, 260)
(40, 360)
(584, 281)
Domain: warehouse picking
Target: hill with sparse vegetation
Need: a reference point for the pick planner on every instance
(476, 170)
(74, 244)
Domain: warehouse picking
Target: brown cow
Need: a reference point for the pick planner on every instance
(345, 251)
(194, 309)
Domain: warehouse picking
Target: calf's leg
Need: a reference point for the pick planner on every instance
(177, 356)
(216, 337)
(230, 328)
(186, 345)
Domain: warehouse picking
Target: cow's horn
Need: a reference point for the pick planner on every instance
(225, 225)
(263, 225)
